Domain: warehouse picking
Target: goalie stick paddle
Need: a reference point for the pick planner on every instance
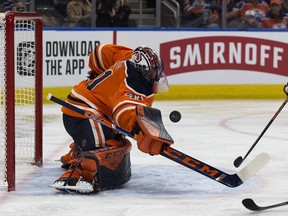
(229, 180)
(239, 160)
(251, 205)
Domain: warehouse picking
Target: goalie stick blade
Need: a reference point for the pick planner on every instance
(251, 205)
(229, 180)
(254, 166)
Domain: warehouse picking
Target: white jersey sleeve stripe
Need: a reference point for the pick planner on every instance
(100, 56)
(127, 102)
(121, 111)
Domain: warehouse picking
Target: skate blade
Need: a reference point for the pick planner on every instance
(76, 189)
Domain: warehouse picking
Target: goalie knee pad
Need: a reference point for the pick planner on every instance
(107, 167)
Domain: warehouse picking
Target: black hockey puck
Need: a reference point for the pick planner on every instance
(175, 116)
(286, 89)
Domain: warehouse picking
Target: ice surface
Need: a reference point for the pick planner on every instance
(216, 132)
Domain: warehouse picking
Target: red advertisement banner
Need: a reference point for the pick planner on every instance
(226, 53)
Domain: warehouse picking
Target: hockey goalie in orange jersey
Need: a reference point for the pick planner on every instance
(100, 157)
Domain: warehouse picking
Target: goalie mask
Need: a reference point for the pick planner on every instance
(148, 63)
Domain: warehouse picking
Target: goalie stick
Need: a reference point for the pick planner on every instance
(229, 180)
(251, 205)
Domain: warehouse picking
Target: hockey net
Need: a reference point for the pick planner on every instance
(20, 94)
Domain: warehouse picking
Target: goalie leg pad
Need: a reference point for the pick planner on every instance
(108, 167)
(114, 168)
(104, 168)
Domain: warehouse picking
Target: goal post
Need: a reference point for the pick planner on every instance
(20, 93)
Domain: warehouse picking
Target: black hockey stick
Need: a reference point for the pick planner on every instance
(230, 180)
(239, 160)
(251, 205)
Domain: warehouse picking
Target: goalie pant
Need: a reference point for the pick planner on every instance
(105, 168)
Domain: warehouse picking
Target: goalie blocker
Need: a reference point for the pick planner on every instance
(152, 135)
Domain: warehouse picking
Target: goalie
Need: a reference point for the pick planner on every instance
(100, 157)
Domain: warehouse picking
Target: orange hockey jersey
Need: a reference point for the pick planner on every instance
(114, 93)
(106, 55)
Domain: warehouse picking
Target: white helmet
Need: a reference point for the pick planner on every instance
(148, 63)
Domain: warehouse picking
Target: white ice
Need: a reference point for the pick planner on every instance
(215, 132)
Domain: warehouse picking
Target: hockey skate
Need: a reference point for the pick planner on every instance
(73, 185)
(72, 181)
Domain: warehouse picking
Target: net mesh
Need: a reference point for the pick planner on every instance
(24, 67)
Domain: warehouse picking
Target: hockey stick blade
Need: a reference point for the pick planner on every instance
(253, 167)
(230, 180)
(251, 205)
(217, 175)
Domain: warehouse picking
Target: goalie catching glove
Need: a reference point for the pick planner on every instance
(151, 133)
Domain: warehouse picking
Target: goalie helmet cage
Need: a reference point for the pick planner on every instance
(20, 94)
